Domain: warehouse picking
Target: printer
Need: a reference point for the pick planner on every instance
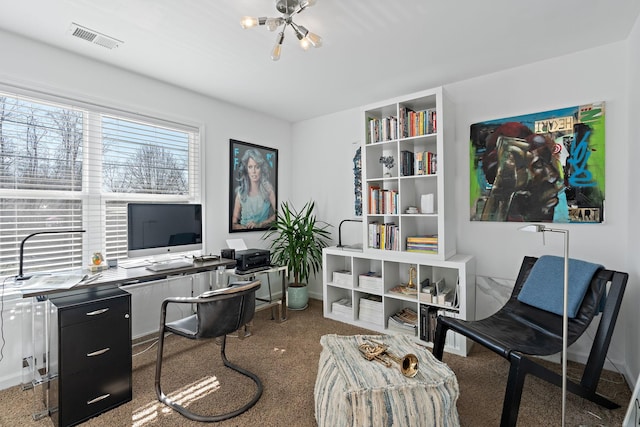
(250, 260)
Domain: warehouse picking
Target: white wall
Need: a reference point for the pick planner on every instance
(39, 67)
(632, 319)
(322, 170)
(583, 77)
(589, 76)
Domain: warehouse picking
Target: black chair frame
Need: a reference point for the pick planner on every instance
(218, 313)
(518, 331)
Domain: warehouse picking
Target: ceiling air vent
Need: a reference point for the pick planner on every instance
(94, 37)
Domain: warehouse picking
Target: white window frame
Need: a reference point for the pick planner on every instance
(94, 200)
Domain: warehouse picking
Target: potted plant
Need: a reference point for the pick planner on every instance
(298, 240)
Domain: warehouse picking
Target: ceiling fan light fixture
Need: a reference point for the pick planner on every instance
(288, 8)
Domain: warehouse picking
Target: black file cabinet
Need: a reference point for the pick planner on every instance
(90, 349)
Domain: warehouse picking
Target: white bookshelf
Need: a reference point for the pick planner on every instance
(369, 305)
(408, 185)
(393, 270)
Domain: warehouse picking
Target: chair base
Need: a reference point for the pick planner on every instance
(162, 397)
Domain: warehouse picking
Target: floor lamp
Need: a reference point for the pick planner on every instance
(538, 228)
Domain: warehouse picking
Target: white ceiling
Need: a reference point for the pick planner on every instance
(372, 49)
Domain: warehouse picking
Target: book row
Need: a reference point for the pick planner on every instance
(428, 322)
(384, 236)
(426, 163)
(411, 123)
(424, 244)
(416, 123)
(384, 129)
(382, 201)
(419, 163)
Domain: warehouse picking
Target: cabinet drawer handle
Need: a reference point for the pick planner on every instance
(99, 352)
(95, 313)
(98, 399)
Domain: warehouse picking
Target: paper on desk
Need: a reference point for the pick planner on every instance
(237, 244)
(52, 281)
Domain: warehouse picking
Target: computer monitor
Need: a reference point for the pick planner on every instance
(163, 228)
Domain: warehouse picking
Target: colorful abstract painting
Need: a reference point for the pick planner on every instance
(542, 167)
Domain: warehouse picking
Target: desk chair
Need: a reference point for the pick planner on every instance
(519, 331)
(218, 313)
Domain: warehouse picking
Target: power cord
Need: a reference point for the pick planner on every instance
(153, 344)
(2, 319)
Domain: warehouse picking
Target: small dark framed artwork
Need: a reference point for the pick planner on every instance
(253, 186)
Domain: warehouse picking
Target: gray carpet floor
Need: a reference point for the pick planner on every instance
(285, 356)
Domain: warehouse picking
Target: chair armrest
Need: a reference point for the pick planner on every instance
(233, 288)
(217, 294)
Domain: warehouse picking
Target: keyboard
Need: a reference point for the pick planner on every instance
(135, 263)
(169, 265)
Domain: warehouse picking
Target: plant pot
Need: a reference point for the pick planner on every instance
(297, 296)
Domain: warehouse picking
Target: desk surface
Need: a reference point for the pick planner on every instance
(127, 276)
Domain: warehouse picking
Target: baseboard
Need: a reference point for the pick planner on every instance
(12, 380)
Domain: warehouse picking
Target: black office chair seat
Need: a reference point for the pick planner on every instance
(518, 331)
(218, 313)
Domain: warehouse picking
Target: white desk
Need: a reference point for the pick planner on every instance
(270, 303)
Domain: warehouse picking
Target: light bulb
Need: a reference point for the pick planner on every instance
(275, 53)
(273, 23)
(305, 44)
(248, 22)
(314, 39)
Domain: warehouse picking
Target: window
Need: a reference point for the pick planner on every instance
(73, 167)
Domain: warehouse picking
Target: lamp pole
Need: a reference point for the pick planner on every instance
(565, 319)
(537, 228)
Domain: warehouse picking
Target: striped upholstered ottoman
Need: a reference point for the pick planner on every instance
(353, 391)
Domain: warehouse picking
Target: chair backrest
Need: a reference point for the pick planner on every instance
(226, 310)
(551, 322)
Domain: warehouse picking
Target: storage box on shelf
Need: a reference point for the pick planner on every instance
(410, 199)
(342, 277)
(375, 309)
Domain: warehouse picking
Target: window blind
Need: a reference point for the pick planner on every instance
(75, 167)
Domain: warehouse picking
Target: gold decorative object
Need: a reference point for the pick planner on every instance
(412, 276)
(374, 350)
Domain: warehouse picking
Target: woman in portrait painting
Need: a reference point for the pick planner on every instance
(255, 200)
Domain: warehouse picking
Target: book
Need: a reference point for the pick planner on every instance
(404, 321)
(423, 244)
(404, 290)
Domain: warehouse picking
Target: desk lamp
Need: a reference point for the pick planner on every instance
(20, 276)
(539, 228)
(340, 245)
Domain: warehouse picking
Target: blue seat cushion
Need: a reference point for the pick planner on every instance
(544, 288)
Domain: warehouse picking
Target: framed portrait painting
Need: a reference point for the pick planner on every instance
(253, 186)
